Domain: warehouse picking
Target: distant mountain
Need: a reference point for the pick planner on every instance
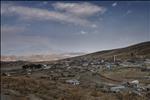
(141, 50)
(36, 58)
(8, 58)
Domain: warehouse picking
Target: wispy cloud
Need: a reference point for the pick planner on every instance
(73, 12)
(128, 12)
(83, 32)
(114, 4)
(45, 2)
(82, 9)
(19, 44)
(11, 29)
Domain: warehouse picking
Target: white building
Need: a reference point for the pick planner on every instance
(46, 67)
(73, 81)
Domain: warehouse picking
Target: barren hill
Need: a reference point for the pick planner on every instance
(141, 50)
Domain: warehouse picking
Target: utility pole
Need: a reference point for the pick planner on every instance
(114, 58)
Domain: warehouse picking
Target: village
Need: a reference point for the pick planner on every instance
(92, 74)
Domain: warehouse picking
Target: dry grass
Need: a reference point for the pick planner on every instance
(125, 74)
(48, 90)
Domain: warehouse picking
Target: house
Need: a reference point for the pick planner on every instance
(108, 66)
(117, 88)
(46, 66)
(73, 81)
(147, 61)
(85, 64)
(134, 82)
(102, 61)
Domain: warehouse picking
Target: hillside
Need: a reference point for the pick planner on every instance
(141, 50)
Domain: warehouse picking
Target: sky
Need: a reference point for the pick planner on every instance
(45, 27)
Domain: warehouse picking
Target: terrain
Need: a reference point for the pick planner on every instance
(118, 74)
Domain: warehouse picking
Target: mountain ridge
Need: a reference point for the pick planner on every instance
(139, 50)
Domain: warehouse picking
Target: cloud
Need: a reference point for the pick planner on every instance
(5, 29)
(5, 8)
(83, 32)
(24, 44)
(45, 2)
(14, 42)
(128, 12)
(94, 26)
(79, 9)
(12, 33)
(114, 4)
(76, 15)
